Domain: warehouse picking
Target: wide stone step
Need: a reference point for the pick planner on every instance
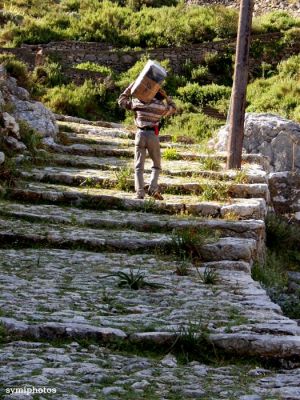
(251, 173)
(50, 294)
(114, 199)
(74, 290)
(69, 138)
(139, 221)
(24, 233)
(74, 370)
(168, 184)
(113, 151)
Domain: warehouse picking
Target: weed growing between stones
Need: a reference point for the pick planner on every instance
(182, 268)
(234, 318)
(171, 154)
(8, 174)
(209, 276)
(211, 164)
(187, 242)
(192, 343)
(124, 179)
(231, 216)
(217, 191)
(30, 138)
(241, 176)
(134, 280)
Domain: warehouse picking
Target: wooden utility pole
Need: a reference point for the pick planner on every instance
(238, 96)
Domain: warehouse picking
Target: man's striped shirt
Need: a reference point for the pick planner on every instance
(146, 114)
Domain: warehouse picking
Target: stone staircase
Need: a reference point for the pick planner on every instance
(71, 226)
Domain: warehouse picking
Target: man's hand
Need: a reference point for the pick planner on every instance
(163, 93)
(128, 89)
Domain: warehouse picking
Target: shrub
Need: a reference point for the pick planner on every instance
(275, 94)
(195, 125)
(171, 154)
(16, 68)
(90, 66)
(90, 101)
(187, 242)
(276, 21)
(291, 36)
(49, 75)
(30, 137)
(290, 68)
(203, 95)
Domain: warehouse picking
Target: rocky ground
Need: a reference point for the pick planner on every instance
(70, 224)
(260, 6)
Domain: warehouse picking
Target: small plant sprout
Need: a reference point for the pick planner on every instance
(134, 280)
(182, 268)
(124, 179)
(211, 164)
(187, 242)
(241, 176)
(171, 154)
(209, 276)
(217, 191)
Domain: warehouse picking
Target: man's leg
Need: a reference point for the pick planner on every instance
(153, 147)
(139, 162)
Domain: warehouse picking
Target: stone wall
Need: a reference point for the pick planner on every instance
(70, 53)
(285, 192)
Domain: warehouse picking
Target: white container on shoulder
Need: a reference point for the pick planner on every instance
(149, 81)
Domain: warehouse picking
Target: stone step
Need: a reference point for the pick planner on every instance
(168, 184)
(73, 290)
(24, 233)
(73, 370)
(252, 173)
(113, 151)
(77, 287)
(113, 199)
(138, 221)
(69, 138)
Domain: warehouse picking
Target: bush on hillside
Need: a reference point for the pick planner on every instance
(195, 125)
(122, 25)
(91, 101)
(94, 67)
(279, 94)
(275, 21)
(50, 74)
(16, 68)
(203, 95)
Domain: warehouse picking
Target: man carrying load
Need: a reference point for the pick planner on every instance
(149, 105)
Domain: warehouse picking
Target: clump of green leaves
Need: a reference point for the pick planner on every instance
(30, 137)
(134, 280)
(211, 164)
(192, 343)
(94, 67)
(49, 75)
(171, 154)
(209, 276)
(90, 100)
(124, 179)
(214, 191)
(187, 242)
(16, 68)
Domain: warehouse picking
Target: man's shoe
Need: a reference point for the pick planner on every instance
(156, 195)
